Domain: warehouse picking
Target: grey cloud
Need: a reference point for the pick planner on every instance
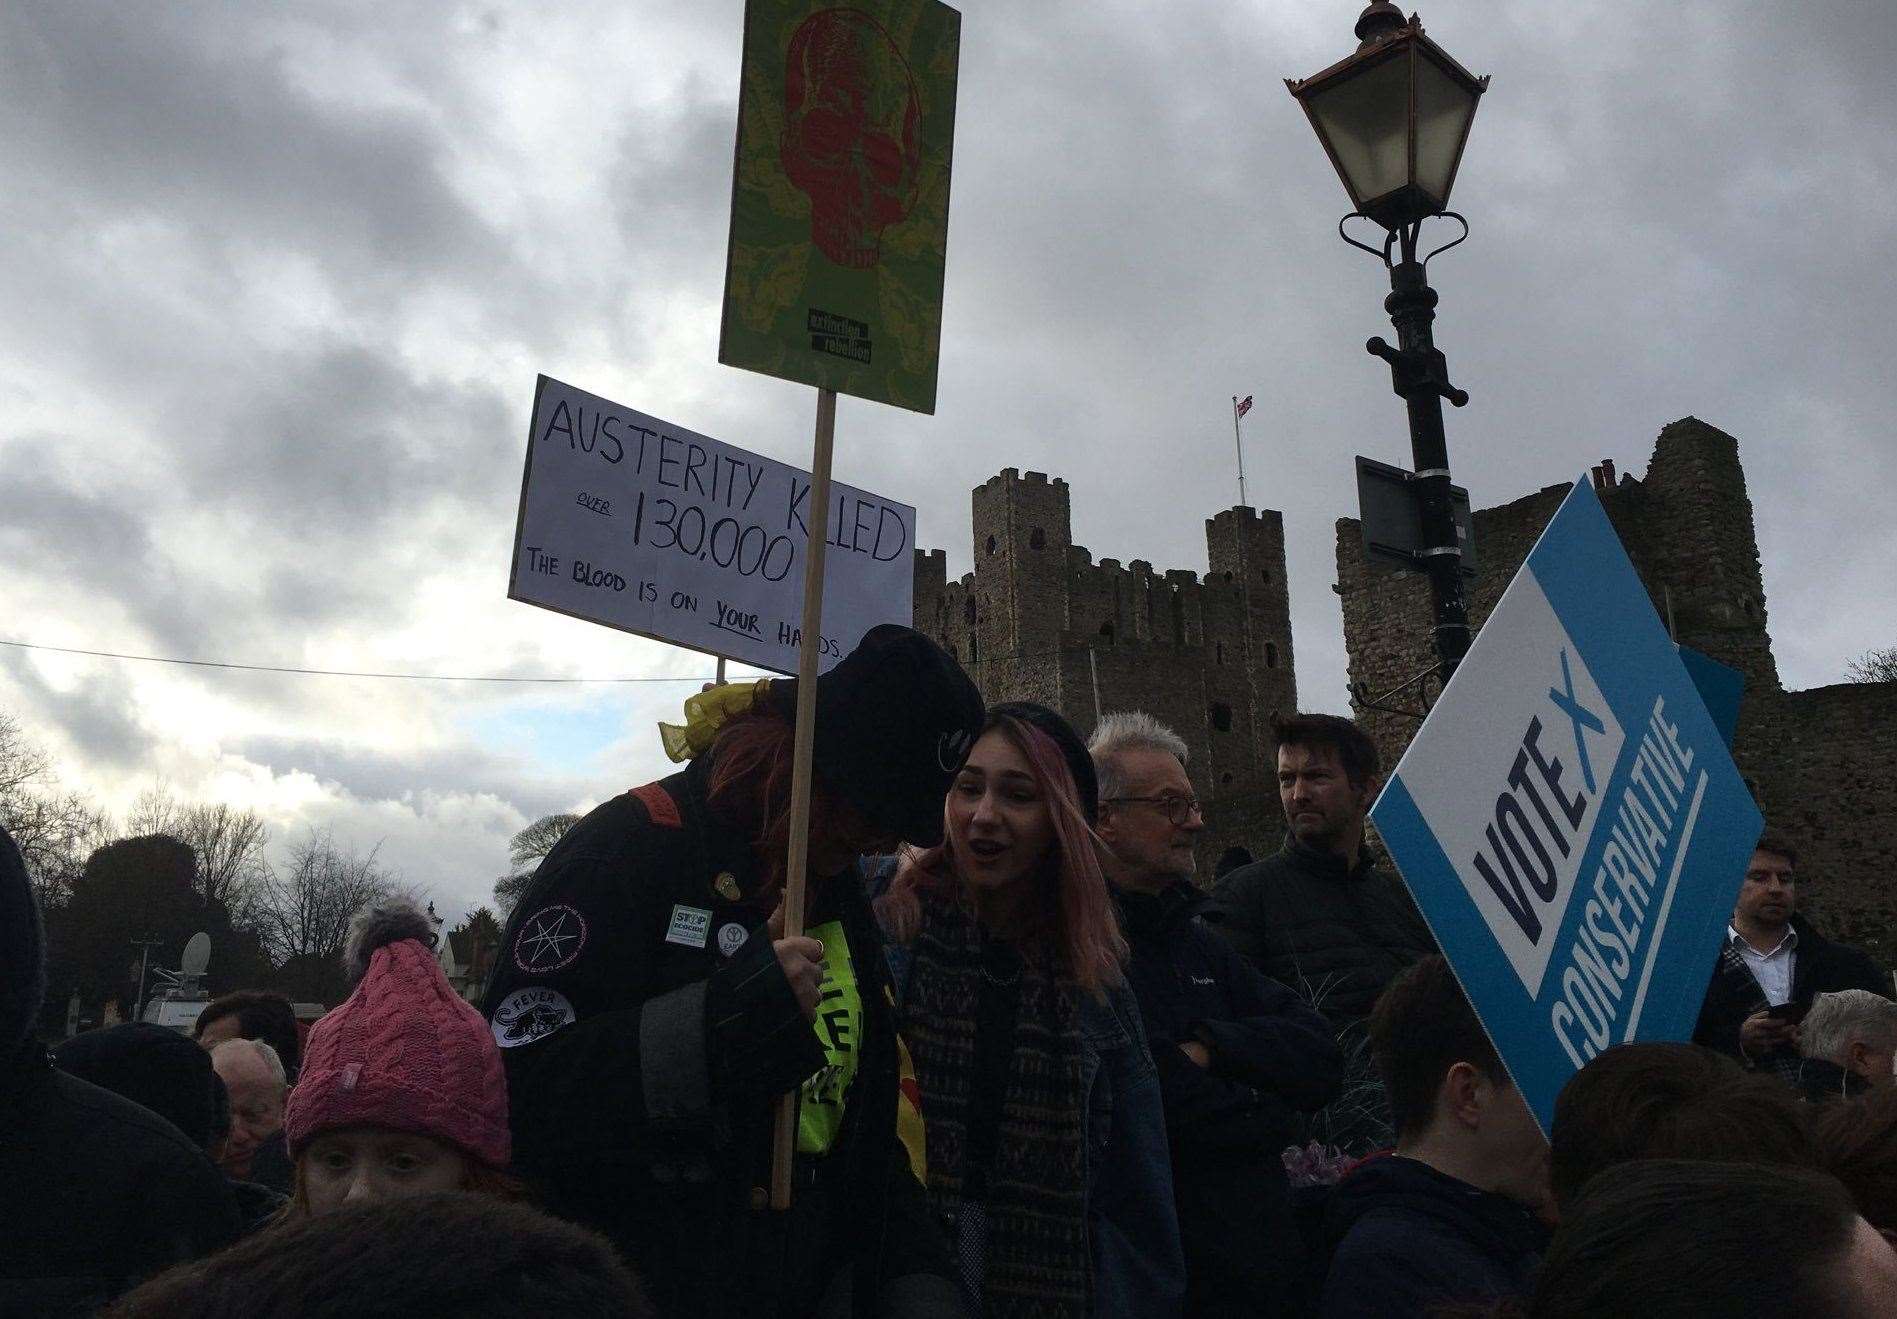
(99, 717)
(371, 775)
(175, 113)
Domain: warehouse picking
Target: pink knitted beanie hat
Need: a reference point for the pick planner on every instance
(404, 1052)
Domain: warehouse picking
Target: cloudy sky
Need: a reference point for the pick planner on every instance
(277, 281)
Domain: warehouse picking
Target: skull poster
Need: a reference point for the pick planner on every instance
(840, 195)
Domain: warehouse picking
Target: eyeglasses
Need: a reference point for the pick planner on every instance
(1178, 810)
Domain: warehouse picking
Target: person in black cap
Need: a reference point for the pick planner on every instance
(96, 1192)
(650, 1010)
(1048, 1164)
(168, 1074)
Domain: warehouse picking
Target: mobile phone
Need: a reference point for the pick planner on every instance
(1790, 1013)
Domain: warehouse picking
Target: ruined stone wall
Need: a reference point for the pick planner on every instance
(1039, 620)
(1821, 760)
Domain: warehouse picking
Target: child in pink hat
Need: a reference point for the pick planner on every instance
(402, 1089)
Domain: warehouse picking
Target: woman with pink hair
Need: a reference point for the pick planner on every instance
(1047, 1155)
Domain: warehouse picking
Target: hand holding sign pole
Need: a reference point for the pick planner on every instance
(833, 277)
(784, 1139)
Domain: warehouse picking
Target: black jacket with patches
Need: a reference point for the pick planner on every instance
(1273, 1058)
(1819, 966)
(1304, 917)
(642, 1070)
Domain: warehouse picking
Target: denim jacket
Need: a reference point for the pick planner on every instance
(1132, 1227)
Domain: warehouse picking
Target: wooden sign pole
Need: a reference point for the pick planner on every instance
(784, 1140)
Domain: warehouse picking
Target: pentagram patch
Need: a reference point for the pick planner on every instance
(549, 939)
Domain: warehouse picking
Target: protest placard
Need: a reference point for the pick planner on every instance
(1569, 819)
(840, 194)
(642, 525)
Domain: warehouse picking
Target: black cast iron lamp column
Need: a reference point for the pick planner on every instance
(1393, 118)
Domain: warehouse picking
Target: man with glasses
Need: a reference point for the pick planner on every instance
(1239, 1057)
(1320, 916)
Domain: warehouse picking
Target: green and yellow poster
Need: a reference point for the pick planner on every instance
(840, 196)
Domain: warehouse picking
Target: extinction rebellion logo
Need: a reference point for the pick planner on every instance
(838, 335)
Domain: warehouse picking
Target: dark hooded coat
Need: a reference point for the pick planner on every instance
(96, 1192)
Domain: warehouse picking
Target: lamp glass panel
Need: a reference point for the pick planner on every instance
(1444, 109)
(1365, 119)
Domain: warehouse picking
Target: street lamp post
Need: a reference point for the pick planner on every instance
(1393, 118)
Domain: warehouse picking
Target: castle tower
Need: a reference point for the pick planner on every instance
(1245, 547)
(1023, 531)
(1249, 671)
(1696, 547)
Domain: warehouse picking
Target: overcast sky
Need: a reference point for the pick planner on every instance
(278, 279)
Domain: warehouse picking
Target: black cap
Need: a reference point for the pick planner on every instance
(1072, 749)
(166, 1072)
(896, 718)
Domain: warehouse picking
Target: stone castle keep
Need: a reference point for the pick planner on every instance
(1211, 655)
(1039, 620)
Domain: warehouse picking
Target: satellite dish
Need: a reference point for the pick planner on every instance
(197, 955)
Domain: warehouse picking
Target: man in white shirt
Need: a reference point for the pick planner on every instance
(1773, 959)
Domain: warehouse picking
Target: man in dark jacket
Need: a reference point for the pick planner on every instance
(1449, 1218)
(1773, 958)
(164, 1071)
(95, 1191)
(1239, 1056)
(650, 1010)
(1318, 916)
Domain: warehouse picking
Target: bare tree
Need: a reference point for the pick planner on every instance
(537, 839)
(509, 889)
(525, 851)
(303, 912)
(1873, 666)
(229, 844)
(156, 810)
(23, 764)
(55, 830)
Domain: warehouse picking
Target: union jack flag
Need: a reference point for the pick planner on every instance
(1244, 405)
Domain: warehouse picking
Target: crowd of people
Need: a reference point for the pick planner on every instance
(1038, 1070)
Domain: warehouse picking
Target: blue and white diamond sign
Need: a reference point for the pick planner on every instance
(1569, 818)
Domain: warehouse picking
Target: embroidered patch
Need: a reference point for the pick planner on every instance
(659, 805)
(531, 1014)
(951, 749)
(690, 926)
(549, 939)
(731, 938)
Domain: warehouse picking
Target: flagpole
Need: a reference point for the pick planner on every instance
(1239, 446)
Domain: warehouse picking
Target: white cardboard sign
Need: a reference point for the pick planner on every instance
(644, 526)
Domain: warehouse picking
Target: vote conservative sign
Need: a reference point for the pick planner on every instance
(1569, 819)
(635, 523)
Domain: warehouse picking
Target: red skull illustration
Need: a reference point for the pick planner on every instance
(852, 132)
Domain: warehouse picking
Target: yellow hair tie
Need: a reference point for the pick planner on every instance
(705, 714)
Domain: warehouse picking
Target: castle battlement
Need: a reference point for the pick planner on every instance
(1207, 653)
